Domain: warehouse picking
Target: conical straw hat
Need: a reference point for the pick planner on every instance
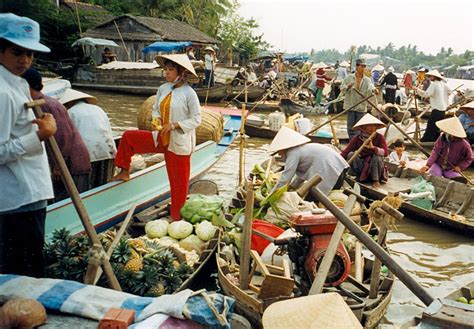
(368, 119)
(180, 59)
(452, 126)
(378, 67)
(74, 95)
(469, 105)
(320, 65)
(344, 64)
(310, 312)
(285, 139)
(435, 73)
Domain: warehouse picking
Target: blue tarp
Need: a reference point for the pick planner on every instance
(166, 46)
(293, 58)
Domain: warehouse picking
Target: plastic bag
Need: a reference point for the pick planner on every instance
(421, 185)
(289, 203)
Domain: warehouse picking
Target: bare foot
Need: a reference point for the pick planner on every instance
(376, 184)
(123, 175)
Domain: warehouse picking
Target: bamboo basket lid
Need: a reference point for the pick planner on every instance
(310, 312)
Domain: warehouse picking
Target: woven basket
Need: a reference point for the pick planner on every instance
(211, 128)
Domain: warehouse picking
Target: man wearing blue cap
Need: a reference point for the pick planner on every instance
(24, 169)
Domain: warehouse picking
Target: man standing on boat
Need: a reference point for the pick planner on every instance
(391, 84)
(451, 153)
(70, 142)
(175, 117)
(438, 93)
(210, 65)
(365, 86)
(304, 160)
(24, 169)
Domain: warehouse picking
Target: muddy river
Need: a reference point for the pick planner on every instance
(439, 260)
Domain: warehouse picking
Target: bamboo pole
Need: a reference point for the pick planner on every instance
(242, 145)
(123, 42)
(80, 208)
(361, 148)
(244, 268)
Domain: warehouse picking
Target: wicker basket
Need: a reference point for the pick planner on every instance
(211, 128)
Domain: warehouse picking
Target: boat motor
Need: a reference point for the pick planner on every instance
(307, 249)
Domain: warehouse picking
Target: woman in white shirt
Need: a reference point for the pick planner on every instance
(175, 117)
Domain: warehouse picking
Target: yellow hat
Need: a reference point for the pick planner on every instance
(287, 138)
(452, 126)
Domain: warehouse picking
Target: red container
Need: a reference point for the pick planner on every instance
(311, 224)
(258, 243)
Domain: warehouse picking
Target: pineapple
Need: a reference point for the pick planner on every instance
(122, 252)
(134, 254)
(157, 290)
(134, 265)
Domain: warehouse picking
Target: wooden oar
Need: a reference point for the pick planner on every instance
(377, 250)
(336, 116)
(356, 153)
(118, 236)
(211, 76)
(409, 138)
(240, 93)
(330, 253)
(80, 208)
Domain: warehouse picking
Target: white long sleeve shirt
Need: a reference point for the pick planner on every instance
(393, 157)
(309, 160)
(24, 170)
(94, 126)
(186, 111)
(438, 92)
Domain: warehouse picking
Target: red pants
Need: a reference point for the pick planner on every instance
(178, 167)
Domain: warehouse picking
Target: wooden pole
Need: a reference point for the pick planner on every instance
(76, 199)
(378, 251)
(328, 258)
(408, 137)
(356, 153)
(209, 85)
(377, 264)
(246, 238)
(118, 236)
(241, 147)
(123, 42)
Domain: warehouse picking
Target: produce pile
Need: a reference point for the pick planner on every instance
(151, 265)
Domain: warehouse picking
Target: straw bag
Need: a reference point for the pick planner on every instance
(211, 128)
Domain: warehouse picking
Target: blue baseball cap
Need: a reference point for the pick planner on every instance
(21, 31)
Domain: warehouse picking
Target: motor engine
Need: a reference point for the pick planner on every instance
(308, 249)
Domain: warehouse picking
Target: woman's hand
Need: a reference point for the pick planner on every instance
(424, 169)
(156, 124)
(166, 128)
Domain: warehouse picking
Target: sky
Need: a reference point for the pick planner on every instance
(300, 25)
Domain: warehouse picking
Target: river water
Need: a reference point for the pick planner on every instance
(440, 261)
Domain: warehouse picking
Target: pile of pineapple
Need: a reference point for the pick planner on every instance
(143, 267)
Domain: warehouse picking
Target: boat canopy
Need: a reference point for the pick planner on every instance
(94, 42)
(166, 46)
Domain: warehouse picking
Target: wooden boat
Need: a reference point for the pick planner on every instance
(257, 106)
(290, 108)
(215, 94)
(254, 93)
(447, 312)
(368, 311)
(318, 137)
(454, 207)
(107, 205)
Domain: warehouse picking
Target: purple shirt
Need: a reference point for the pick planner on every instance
(69, 139)
(458, 152)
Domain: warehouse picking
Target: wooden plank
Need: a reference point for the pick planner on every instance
(467, 202)
(445, 196)
(447, 314)
(377, 264)
(246, 234)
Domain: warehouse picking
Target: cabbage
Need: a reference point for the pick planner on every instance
(200, 207)
(180, 229)
(167, 241)
(192, 242)
(156, 228)
(205, 230)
